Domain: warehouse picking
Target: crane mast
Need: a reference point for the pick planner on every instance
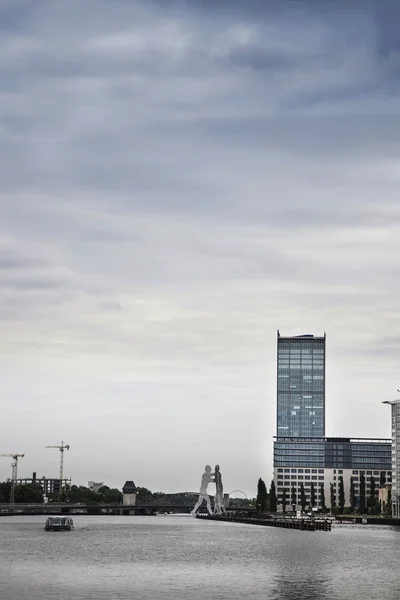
(14, 473)
(61, 449)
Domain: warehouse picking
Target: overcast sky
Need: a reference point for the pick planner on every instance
(178, 181)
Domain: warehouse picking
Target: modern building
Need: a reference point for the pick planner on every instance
(320, 462)
(303, 456)
(395, 455)
(301, 386)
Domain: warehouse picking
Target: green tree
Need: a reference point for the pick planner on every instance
(28, 493)
(293, 497)
(303, 501)
(5, 491)
(387, 510)
(352, 494)
(312, 495)
(272, 497)
(362, 493)
(322, 496)
(262, 496)
(284, 499)
(110, 495)
(341, 494)
(372, 496)
(382, 479)
(143, 493)
(333, 495)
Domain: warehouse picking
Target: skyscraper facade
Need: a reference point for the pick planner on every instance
(395, 404)
(301, 386)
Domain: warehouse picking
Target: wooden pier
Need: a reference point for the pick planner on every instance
(300, 524)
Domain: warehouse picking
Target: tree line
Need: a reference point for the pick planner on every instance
(32, 493)
(361, 503)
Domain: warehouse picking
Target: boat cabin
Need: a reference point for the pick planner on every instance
(59, 524)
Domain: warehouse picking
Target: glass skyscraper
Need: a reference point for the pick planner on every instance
(301, 386)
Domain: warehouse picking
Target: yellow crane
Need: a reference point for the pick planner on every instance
(61, 449)
(14, 472)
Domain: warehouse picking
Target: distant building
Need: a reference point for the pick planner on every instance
(321, 461)
(301, 386)
(129, 494)
(49, 485)
(94, 487)
(395, 404)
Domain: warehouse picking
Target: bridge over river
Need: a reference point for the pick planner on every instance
(182, 502)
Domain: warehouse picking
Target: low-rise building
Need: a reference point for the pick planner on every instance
(319, 462)
(49, 485)
(94, 487)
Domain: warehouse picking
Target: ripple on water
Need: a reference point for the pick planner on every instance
(181, 557)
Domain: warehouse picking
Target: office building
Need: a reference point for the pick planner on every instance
(303, 456)
(395, 455)
(318, 462)
(301, 386)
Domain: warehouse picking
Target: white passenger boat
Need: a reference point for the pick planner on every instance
(59, 524)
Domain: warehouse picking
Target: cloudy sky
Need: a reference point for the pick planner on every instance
(180, 179)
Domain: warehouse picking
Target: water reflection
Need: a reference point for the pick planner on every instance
(106, 558)
(308, 588)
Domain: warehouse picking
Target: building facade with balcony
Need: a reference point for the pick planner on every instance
(320, 462)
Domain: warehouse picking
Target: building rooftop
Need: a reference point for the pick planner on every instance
(129, 488)
(303, 336)
(340, 440)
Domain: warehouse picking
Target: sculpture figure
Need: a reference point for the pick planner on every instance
(203, 495)
(219, 506)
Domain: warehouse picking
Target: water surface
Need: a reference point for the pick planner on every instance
(178, 557)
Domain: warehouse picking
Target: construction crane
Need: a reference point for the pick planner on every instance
(61, 449)
(14, 473)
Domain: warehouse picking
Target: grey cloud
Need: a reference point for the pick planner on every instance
(178, 181)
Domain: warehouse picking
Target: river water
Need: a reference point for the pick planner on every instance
(179, 557)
